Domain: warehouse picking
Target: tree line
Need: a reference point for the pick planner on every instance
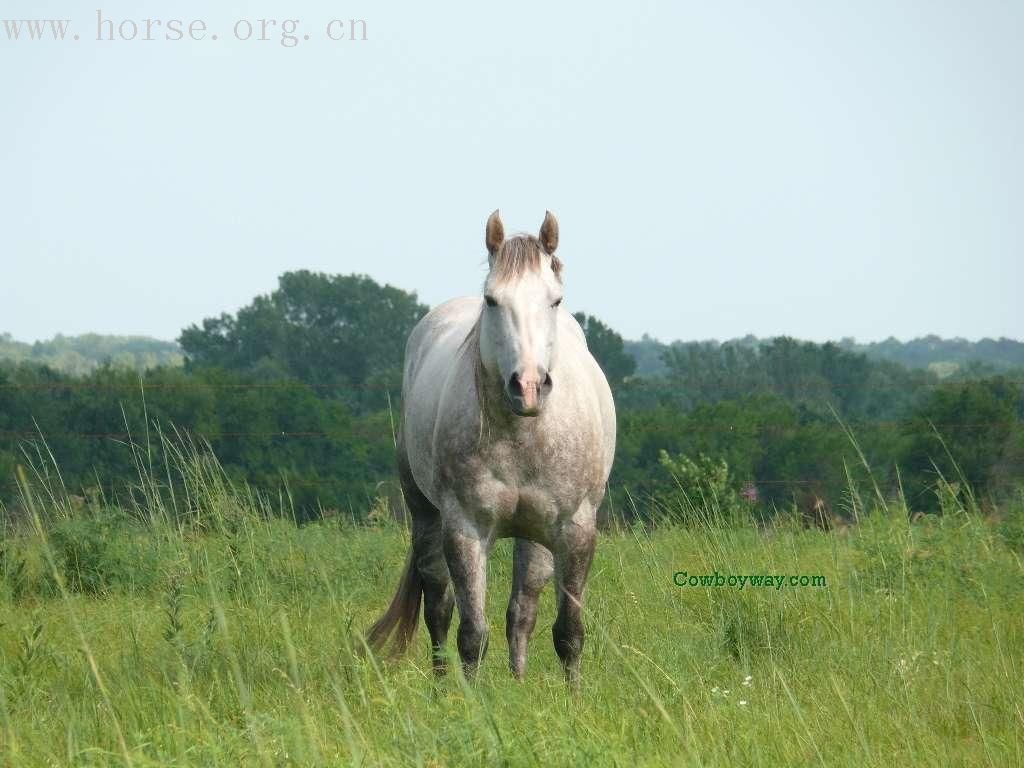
(941, 356)
(79, 355)
(299, 393)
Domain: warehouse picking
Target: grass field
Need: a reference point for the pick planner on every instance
(229, 638)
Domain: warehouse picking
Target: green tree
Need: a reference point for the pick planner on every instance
(965, 432)
(334, 330)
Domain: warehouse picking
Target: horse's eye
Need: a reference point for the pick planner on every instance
(557, 303)
(491, 301)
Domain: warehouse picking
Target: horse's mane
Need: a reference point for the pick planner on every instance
(471, 346)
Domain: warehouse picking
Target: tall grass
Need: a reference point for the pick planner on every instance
(192, 622)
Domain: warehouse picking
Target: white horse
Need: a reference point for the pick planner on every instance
(508, 429)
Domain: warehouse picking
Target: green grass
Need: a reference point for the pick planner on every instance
(208, 633)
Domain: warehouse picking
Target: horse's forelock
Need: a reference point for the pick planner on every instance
(518, 255)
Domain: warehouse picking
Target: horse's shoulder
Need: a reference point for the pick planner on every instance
(578, 349)
(592, 377)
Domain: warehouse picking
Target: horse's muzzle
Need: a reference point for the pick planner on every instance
(526, 396)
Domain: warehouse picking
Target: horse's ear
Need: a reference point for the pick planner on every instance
(549, 232)
(495, 234)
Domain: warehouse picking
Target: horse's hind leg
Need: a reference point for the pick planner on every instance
(438, 600)
(574, 551)
(532, 566)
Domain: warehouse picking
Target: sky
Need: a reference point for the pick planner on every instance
(816, 169)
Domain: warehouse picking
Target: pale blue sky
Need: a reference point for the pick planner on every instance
(819, 169)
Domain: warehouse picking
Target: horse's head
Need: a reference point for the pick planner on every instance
(519, 319)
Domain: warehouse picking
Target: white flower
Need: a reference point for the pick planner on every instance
(743, 702)
(747, 681)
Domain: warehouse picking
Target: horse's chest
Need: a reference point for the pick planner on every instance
(518, 467)
(522, 484)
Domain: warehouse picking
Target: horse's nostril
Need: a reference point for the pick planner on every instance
(547, 381)
(515, 384)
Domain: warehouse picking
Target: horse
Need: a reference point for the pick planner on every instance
(507, 430)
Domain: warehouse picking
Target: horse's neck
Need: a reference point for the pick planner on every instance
(488, 392)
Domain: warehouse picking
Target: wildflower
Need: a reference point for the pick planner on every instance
(743, 702)
(747, 681)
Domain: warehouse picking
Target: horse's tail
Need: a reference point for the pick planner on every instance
(402, 616)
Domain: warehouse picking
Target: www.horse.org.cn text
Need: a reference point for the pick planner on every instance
(288, 33)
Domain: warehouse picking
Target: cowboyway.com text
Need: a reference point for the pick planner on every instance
(748, 581)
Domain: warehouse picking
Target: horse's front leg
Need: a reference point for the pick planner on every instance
(574, 543)
(465, 551)
(532, 566)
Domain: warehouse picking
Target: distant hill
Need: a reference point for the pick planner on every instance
(944, 357)
(78, 355)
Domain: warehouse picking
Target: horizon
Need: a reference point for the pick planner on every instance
(643, 337)
(800, 170)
